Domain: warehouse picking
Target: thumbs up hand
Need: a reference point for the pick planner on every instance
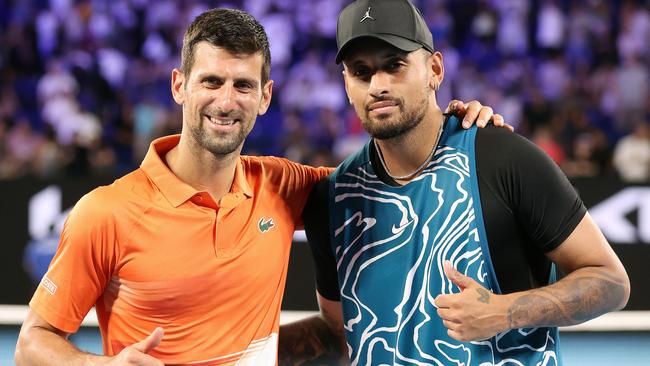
(137, 353)
(473, 314)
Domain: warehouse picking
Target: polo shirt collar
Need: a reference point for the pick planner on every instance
(174, 189)
(240, 182)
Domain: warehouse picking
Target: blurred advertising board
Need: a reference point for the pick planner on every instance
(32, 213)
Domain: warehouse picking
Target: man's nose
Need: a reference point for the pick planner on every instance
(379, 84)
(226, 98)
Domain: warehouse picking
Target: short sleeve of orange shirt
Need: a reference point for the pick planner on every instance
(150, 250)
(82, 265)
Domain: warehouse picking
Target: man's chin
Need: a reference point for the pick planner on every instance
(222, 150)
(382, 130)
(384, 134)
(221, 144)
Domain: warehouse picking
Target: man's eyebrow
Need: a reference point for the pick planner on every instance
(251, 81)
(357, 62)
(209, 75)
(396, 55)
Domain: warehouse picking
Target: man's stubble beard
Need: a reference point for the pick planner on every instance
(408, 121)
(219, 145)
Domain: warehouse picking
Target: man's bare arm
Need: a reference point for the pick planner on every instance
(596, 283)
(316, 340)
(582, 295)
(41, 344)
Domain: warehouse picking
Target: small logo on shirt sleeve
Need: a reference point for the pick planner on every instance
(48, 285)
(265, 225)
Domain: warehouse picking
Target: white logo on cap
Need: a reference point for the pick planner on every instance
(367, 15)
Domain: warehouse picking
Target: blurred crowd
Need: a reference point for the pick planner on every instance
(85, 84)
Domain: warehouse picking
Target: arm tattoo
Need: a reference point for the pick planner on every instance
(310, 342)
(570, 301)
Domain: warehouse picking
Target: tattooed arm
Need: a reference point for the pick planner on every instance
(596, 283)
(317, 340)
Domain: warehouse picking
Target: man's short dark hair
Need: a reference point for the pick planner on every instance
(233, 30)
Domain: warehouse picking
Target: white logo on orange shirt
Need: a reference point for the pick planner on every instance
(48, 285)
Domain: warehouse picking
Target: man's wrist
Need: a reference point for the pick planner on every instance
(508, 321)
(96, 360)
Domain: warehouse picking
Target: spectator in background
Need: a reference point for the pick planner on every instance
(632, 88)
(50, 158)
(632, 155)
(544, 138)
(149, 124)
(551, 26)
(536, 112)
(6, 161)
(600, 87)
(304, 82)
(512, 37)
(56, 82)
(578, 48)
(22, 144)
(635, 31)
(553, 76)
(590, 155)
(103, 160)
(279, 27)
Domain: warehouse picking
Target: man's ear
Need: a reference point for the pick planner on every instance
(267, 93)
(178, 86)
(437, 67)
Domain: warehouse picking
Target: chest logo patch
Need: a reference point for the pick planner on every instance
(265, 225)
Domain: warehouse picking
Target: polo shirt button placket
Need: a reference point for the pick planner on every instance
(216, 234)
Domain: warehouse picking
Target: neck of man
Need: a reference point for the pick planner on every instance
(404, 154)
(201, 169)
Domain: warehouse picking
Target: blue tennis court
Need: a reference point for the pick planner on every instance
(578, 348)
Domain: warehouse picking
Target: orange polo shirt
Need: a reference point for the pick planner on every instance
(149, 250)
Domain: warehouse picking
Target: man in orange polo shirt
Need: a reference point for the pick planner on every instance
(195, 241)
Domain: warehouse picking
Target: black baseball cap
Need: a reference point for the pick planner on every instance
(397, 22)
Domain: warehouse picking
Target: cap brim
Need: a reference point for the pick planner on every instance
(402, 43)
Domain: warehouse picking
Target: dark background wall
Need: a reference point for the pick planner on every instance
(31, 212)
